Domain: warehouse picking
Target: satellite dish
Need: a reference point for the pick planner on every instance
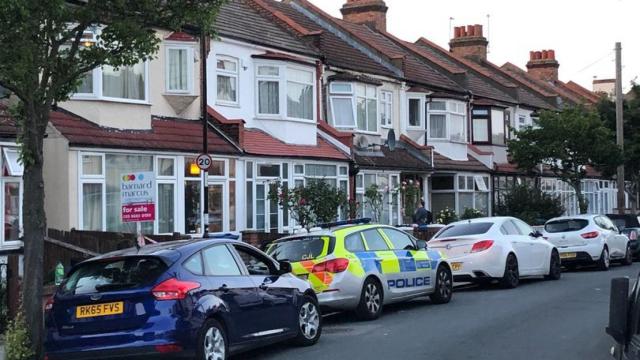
(391, 140)
(362, 142)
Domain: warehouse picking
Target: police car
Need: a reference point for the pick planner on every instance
(354, 265)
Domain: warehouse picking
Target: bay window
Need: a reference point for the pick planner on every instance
(388, 186)
(273, 82)
(415, 112)
(460, 192)
(481, 126)
(123, 84)
(498, 127)
(354, 106)
(179, 77)
(446, 120)
(227, 80)
(386, 108)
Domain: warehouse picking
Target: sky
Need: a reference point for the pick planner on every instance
(582, 32)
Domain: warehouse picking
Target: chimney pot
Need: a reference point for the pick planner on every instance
(532, 55)
(456, 32)
(552, 54)
(538, 55)
(470, 30)
(543, 65)
(545, 54)
(478, 30)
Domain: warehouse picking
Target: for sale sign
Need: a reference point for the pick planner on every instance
(137, 195)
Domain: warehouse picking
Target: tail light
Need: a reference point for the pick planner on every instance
(332, 266)
(590, 235)
(173, 289)
(481, 246)
(49, 304)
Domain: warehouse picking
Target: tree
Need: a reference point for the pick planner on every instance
(315, 203)
(530, 204)
(42, 62)
(607, 110)
(566, 143)
(374, 199)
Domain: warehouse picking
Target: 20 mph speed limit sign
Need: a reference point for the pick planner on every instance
(204, 162)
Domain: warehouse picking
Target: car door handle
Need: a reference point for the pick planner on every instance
(224, 288)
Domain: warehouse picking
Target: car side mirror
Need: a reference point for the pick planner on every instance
(421, 244)
(619, 310)
(285, 267)
(536, 234)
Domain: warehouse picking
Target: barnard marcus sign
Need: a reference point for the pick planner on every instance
(137, 194)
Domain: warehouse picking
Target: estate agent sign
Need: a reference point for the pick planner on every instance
(137, 194)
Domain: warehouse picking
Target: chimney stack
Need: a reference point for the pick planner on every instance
(368, 12)
(543, 65)
(469, 42)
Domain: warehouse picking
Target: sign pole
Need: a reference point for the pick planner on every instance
(205, 130)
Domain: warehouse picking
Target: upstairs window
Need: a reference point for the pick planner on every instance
(227, 80)
(447, 120)
(386, 108)
(354, 106)
(498, 128)
(481, 126)
(126, 82)
(415, 113)
(274, 81)
(179, 69)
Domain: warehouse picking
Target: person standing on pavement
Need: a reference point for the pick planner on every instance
(422, 216)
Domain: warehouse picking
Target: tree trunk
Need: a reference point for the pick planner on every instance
(583, 204)
(34, 221)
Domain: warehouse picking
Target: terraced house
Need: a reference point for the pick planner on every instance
(295, 94)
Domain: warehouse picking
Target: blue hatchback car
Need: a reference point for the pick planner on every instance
(200, 299)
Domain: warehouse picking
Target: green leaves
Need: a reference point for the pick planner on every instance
(565, 143)
(530, 204)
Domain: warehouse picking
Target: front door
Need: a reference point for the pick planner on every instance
(216, 202)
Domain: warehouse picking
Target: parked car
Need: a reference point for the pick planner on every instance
(201, 299)
(624, 319)
(630, 226)
(353, 265)
(588, 239)
(496, 248)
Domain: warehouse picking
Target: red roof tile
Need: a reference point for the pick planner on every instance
(577, 88)
(181, 36)
(442, 162)
(257, 142)
(165, 134)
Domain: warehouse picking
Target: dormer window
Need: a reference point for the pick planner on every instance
(354, 106)
(285, 91)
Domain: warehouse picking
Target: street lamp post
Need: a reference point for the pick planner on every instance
(205, 131)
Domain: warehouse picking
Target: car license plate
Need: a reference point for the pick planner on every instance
(567, 255)
(87, 311)
(456, 266)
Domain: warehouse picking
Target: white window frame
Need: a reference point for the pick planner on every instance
(452, 109)
(171, 180)
(471, 181)
(98, 93)
(190, 77)
(366, 108)
(421, 112)
(283, 81)
(392, 177)
(346, 95)
(91, 179)
(234, 75)
(386, 108)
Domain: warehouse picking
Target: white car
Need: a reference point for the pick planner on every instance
(588, 239)
(496, 248)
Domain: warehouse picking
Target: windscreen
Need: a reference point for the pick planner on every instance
(298, 249)
(113, 275)
(565, 225)
(465, 229)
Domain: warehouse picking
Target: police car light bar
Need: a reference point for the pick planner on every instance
(345, 222)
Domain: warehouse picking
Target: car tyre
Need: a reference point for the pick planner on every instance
(309, 322)
(605, 261)
(628, 257)
(212, 344)
(555, 267)
(370, 306)
(511, 277)
(444, 286)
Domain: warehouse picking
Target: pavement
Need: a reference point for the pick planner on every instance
(539, 320)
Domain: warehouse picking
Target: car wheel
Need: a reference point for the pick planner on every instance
(628, 257)
(309, 322)
(444, 286)
(370, 306)
(511, 277)
(555, 267)
(213, 341)
(604, 262)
